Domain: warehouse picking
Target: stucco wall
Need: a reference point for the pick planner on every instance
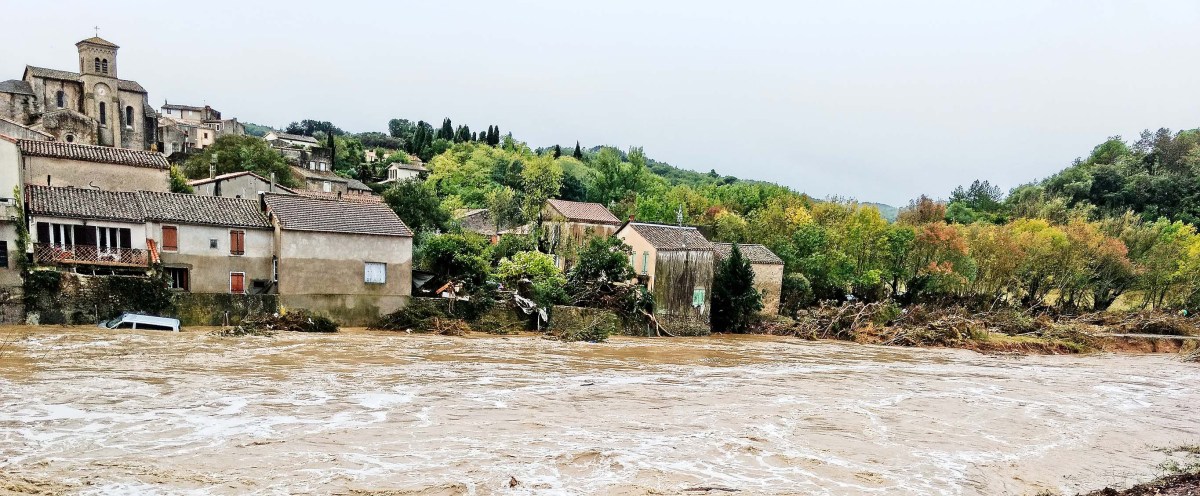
(209, 268)
(10, 277)
(642, 252)
(768, 280)
(78, 174)
(10, 168)
(324, 272)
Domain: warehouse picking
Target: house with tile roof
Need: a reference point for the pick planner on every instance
(281, 138)
(211, 244)
(84, 229)
(675, 263)
(350, 261)
(403, 171)
(92, 106)
(567, 226)
(60, 164)
(244, 184)
(768, 271)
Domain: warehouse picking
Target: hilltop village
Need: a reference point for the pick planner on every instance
(91, 175)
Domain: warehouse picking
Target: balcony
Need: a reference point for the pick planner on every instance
(51, 254)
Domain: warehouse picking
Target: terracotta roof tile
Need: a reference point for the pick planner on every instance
(350, 197)
(231, 175)
(203, 210)
(96, 40)
(84, 203)
(757, 254)
(584, 212)
(92, 153)
(42, 72)
(301, 213)
(667, 238)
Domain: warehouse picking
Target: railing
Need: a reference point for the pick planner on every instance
(49, 254)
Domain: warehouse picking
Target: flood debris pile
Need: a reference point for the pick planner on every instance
(442, 316)
(593, 325)
(1182, 476)
(1004, 330)
(269, 325)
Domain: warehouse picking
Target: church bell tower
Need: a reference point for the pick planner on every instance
(101, 101)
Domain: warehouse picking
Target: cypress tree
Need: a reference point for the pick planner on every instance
(447, 131)
(735, 302)
(578, 152)
(557, 151)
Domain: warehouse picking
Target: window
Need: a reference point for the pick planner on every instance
(237, 242)
(103, 114)
(104, 66)
(375, 273)
(324, 166)
(212, 243)
(61, 99)
(129, 116)
(170, 238)
(698, 297)
(4, 254)
(326, 187)
(70, 138)
(97, 64)
(178, 277)
(237, 282)
(645, 262)
(206, 135)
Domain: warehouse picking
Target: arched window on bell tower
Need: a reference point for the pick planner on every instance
(104, 66)
(103, 114)
(97, 64)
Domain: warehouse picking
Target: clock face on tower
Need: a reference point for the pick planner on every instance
(101, 90)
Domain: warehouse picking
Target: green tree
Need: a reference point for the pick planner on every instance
(417, 206)
(535, 276)
(602, 260)
(179, 182)
(578, 154)
(456, 257)
(541, 179)
(557, 151)
(447, 130)
(240, 153)
(503, 207)
(735, 302)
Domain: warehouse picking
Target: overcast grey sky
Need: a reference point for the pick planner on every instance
(875, 100)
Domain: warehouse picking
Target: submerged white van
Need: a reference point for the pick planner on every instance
(139, 321)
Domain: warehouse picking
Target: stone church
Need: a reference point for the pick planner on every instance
(92, 106)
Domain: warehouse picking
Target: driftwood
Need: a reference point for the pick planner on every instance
(659, 330)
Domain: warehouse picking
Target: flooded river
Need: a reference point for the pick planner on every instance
(87, 411)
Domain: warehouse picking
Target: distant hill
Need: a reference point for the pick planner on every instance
(887, 211)
(256, 129)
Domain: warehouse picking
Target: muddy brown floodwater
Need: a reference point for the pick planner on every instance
(99, 412)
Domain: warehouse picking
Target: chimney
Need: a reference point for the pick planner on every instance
(212, 167)
(272, 188)
(631, 216)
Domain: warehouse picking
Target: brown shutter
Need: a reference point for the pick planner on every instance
(170, 238)
(237, 242)
(237, 283)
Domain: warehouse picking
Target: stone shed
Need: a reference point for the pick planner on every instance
(768, 271)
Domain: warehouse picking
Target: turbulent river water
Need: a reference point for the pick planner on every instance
(100, 412)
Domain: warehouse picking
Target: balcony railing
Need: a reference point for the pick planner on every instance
(51, 254)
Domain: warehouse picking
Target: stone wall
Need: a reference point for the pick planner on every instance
(210, 309)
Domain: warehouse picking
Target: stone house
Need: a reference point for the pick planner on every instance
(92, 106)
(53, 163)
(476, 220)
(351, 261)
(184, 127)
(243, 184)
(768, 271)
(321, 179)
(282, 139)
(211, 244)
(567, 226)
(676, 265)
(397, 171)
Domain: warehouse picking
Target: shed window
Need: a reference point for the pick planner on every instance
(237, 282)
(375, 273)
(237, 242)
(170, 238)
(698, 297)
(178, 277)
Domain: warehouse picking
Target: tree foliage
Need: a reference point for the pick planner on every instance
(240, 153)
(735, 301)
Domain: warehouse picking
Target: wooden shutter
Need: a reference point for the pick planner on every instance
(237, 242)
(237, 282)
(170, 237)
